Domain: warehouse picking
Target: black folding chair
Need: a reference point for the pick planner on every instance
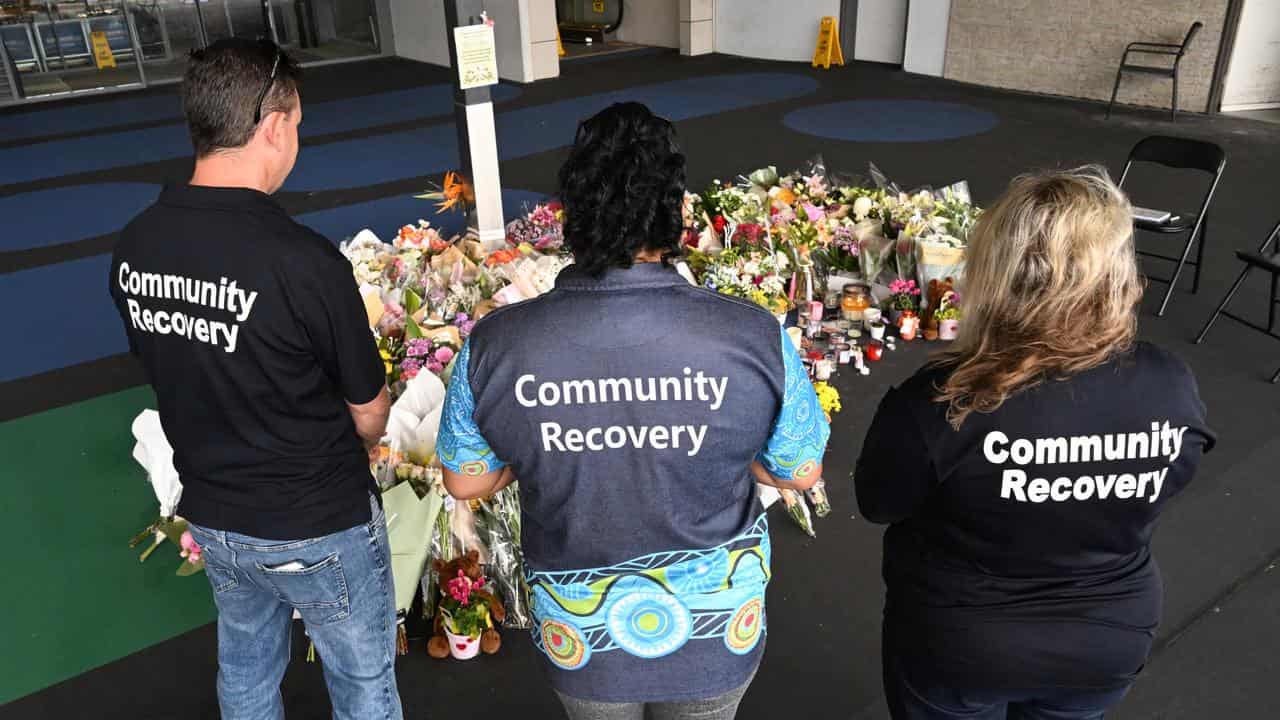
(1187, 154)
(1263, 259)
(1147, 48)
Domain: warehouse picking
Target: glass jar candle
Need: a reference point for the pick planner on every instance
(854, 302)
(908, 325)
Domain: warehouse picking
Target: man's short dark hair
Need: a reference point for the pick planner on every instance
(222, 85)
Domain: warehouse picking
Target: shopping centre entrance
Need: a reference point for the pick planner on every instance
(53, 49)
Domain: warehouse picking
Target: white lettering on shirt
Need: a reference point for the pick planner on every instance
(1162, 443)
(689, 386)
(221, 296)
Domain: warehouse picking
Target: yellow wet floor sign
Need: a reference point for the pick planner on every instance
(559, 45)
(828, 49)
(102, 55)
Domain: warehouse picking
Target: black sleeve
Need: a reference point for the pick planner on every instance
(895, 472)
(118, 301)
(329, 307)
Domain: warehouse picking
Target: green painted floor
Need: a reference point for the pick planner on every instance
(76, 596)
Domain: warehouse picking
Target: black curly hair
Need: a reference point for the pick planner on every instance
(623, 189)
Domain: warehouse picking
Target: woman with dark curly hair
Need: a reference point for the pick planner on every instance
(638, 413)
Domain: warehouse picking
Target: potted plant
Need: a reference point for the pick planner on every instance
(466, 616)
(903, 295)
(948, 316)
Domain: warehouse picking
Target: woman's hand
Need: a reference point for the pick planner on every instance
(799, 483)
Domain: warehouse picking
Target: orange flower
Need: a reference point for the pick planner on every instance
(458, 194)
(501, 257)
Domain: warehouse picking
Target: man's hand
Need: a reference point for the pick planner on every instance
(371, 418)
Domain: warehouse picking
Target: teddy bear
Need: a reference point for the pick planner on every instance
(469, 565)
(937, 290)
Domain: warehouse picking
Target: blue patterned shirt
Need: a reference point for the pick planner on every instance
(630, 408)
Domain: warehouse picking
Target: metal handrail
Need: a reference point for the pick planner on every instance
(15, 89)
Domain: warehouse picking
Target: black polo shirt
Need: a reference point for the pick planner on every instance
(1019, 548)
(252, 332)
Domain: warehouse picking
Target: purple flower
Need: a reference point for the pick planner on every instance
(418, 348)
(410, 368)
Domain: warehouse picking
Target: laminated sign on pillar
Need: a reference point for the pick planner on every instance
(475, 56)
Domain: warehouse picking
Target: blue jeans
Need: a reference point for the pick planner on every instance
(340, 584)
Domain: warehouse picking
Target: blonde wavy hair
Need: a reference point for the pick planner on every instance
(1051, 289)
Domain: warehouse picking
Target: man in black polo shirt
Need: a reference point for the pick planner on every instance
(270, 388)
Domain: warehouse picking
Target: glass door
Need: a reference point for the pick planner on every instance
(319, 30)
(66, 47)
(53, 47)
(236, 18)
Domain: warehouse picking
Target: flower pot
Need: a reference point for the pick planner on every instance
(894, 314)
(947, 329)
(462, 647)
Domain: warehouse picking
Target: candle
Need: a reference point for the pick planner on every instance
(874, 351)
(822, 370)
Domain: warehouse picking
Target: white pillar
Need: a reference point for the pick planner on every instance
(697, 27)
(483, 140)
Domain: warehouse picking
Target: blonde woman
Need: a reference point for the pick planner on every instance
(1022, 472)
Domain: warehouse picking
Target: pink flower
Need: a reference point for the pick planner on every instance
(814, 212)
(904, 287)
(444, 354)
(461, 587)
(190, 549)
(410, 368)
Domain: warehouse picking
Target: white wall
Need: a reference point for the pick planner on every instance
(386, 26)
(927, 25)
(773, 30)
(1253, 77)
(651, 22)
(419, 31)
(881, 31)
(524, 32)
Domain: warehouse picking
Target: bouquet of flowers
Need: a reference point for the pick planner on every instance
(542, 229)
(464, 615)
(873, 249)
(904, 295)
(754, 274)
(498, 524)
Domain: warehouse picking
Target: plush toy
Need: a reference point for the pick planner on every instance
(937, 289)
(469, 564)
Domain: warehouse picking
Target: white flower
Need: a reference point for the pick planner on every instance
(861, 207)
(752, 268)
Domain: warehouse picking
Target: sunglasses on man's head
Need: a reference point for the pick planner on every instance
(257, 108)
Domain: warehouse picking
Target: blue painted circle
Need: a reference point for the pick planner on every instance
(891, 120)
(649, 624)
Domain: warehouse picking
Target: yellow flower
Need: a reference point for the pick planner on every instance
(828, 397)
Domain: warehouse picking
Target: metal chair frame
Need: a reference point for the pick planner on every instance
(1249, 266)
(1150, 48)
(1215, 161)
